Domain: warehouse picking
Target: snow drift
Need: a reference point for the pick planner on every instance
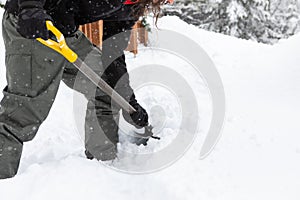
(256, 158)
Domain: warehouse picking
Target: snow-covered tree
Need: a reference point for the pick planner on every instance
(261, 20)
(2, 2)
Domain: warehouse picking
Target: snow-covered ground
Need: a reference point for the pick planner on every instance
(257, 156)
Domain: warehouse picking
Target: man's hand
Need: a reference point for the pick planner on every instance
(139, 119)
(32, 23)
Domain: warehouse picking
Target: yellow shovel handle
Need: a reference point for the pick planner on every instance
(60, 46)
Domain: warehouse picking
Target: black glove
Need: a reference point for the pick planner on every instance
(32, 23)
(139, 119)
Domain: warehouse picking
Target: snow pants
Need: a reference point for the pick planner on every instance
(34, 72)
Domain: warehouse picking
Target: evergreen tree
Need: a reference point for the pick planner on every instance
(260, 20)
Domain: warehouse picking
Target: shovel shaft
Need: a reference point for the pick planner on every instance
(99, 82)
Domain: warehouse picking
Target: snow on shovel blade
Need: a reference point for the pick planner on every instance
(138, 138)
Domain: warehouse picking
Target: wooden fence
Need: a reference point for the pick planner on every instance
(139, 34)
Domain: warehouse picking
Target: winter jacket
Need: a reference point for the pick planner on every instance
(67, 15)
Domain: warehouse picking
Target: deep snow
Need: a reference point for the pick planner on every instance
(256, 158)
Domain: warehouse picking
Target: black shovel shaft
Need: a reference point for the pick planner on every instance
(100, 83)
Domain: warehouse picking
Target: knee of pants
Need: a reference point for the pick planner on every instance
(21, 116)
(101, 127)
(104, 104)
(10, 155)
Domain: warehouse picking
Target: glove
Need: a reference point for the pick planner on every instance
(32, 23)
(139, 119)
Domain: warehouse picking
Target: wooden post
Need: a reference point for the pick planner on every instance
(133, 44)
(142, 33)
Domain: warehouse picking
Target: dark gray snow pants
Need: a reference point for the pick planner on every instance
(33, 75)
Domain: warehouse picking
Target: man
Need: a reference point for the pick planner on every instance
(34, 72)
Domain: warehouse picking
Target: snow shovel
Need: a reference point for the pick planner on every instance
(61, 47)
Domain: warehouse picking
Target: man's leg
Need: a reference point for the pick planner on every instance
(101, 121)
(116, 35)
(33, 75)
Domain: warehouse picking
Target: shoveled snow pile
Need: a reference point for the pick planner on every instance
(256, 158)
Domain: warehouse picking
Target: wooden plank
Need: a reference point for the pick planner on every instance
(132, 46)
(100, 23)
(142, 33)
(94, 32)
